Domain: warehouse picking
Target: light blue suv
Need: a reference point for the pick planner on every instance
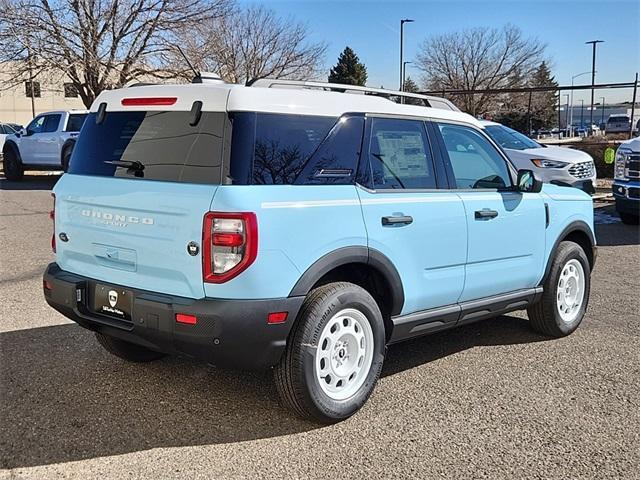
(289, 227)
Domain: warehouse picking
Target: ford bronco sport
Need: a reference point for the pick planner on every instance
(285, 225)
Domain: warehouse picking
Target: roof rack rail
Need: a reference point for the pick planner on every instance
(428, 100)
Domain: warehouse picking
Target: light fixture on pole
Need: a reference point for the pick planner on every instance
(402, 22)
(593, 75)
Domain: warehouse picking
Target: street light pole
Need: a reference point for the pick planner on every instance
(572, 80)
(593, 75)
(581, 113)
(566, 115)
(404, 71)
(602, 117)
(402, 22)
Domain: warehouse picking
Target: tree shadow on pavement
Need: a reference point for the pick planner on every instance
(30, 182)
(64, 398)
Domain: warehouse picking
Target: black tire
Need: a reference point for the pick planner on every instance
(295, 375)
(545, 316)
(629, 218)
(12, 165)
(127, 351)
(66, 157)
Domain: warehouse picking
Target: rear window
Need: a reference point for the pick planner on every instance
(74, 124)
(280, 149)
(153, 146)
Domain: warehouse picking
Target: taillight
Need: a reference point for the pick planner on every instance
(230, 244)
(52, 216)
(148, 101)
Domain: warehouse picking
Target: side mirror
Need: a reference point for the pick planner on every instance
(528, 182)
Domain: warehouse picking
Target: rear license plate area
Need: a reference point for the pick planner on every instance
(114, 302)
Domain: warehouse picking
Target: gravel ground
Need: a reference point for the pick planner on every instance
(489, 400)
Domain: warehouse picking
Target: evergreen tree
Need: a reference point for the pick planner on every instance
(411, 87)
(513, 106)
(543, 104)
(348, 70)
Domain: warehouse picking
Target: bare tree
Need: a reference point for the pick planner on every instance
(478, 58)
(97, 44)
(250, 44)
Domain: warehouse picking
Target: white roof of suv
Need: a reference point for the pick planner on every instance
(218, 96)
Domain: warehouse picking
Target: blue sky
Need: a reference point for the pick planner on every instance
(371, 28)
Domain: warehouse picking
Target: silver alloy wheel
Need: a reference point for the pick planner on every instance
(344, 354)
(570, 291)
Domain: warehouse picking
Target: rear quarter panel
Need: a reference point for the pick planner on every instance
(296, 226)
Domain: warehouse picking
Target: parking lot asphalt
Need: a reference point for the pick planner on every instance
(488, 400)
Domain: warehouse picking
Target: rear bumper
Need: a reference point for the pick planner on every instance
(231, 333)
(627, 196)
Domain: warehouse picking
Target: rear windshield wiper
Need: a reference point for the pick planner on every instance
(133, 167)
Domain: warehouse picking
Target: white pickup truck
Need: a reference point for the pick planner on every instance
(45, 144)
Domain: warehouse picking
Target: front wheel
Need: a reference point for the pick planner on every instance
(566, 293)
(334, 355)
(12, 166)
(66, 158)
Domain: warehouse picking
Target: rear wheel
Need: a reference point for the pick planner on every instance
(66, 157)
(629, 218)
(13, 168)
(566, 293)
(126, 350)
(334, 355)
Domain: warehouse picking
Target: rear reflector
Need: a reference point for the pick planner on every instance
(187, 319)
(148, 101)
(47, 285)
(277, 317)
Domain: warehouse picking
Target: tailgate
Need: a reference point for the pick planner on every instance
(132, 233)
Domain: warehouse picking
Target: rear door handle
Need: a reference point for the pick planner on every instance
(485, 213)
(397, 220)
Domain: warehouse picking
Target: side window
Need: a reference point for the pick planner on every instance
(74, 124)
(474, 160)
(51, 123)
(272, 148)
(283, 145)
(36, 125)
(336, 160)
(399, 155)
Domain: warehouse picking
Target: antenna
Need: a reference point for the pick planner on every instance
(196, 72)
